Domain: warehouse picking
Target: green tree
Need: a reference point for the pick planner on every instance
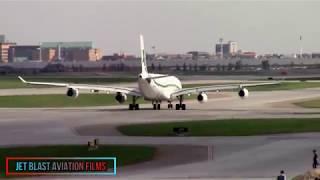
(184, 67)
(203, 67)
(177, 67)
(159, 67)
(230, 67)
(223, 67)
(195, 67)
(265, 65)
(238, 65)
(104, 68)
(218, 67)
(153, 67)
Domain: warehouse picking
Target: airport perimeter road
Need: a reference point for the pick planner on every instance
(234, 157)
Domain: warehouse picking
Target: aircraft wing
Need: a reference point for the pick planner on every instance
(109, 89)
(196, 90)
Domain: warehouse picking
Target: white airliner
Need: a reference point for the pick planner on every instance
(152, 87)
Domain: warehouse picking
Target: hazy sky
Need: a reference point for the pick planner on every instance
(170, 26)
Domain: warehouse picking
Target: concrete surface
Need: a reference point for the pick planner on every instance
(257, 157)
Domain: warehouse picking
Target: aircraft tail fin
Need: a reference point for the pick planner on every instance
(144, 69)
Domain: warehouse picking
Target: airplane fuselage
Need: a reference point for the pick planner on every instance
(159, 87)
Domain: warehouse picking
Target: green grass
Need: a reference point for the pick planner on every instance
(286, 86)
(81, 80)
(229, 127)
(315, 103)
(274, 87)
(60, 100)
(125, 154)
(11, 84)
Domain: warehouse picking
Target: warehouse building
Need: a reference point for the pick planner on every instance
(19, 53)
(2, 38)
(69, 51)
(4, 51)
(227, 49)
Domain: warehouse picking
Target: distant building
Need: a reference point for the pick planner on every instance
(2, 38)
(315, 55)
(19, 53)
(69, 51)
(83, 54)
(47, 54)
(228, 49)
(117, 56)
(167, 56)
(233, 47)
(4, 52)
(249, 55)
(198, 54)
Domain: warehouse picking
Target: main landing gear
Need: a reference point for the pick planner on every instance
(180, 106)
(156, 105)
(134, 105)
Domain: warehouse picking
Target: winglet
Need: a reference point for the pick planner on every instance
(22, 79)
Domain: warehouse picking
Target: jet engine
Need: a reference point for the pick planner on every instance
(243, 93)
(120, 97)
(72, 92)
(202, 97)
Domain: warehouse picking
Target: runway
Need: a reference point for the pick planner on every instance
(181, 157)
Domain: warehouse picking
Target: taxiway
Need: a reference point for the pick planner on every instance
(180, 157)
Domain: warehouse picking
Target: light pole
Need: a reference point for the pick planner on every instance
(59, 51)
(221, 47)
(154, 51)
(40, 52)
(300, 47)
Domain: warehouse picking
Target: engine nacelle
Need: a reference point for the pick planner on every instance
(243, 93)
(121, 98)
(72, 92)
(202, 97)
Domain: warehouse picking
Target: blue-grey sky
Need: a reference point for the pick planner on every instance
(170, 26)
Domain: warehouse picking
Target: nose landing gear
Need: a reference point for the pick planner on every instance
(170, 106)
